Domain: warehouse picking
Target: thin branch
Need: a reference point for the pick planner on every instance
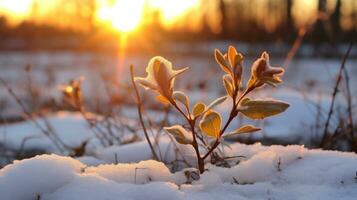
(297, 43)
(334, 94)
(232, 115)
(29, 115)
(138, 104)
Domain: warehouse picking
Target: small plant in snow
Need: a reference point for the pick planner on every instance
(206, 128)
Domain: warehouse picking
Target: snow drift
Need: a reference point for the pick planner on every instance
(275, 172)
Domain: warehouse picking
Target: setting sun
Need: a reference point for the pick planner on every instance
(124, 15)
(178, 99)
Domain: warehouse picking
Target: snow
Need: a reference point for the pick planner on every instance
(76, 131)
(27, 178)
(293, 126)
(275, 172)
(142, 172)
(92, 187)
(138, 151)
(308, 82)
(127, 171)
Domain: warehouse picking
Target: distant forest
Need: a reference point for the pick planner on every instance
(274, 23)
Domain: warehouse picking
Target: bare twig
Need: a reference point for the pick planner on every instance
(138, 104)
(349, 109)
(295, 47)
(30, 117)
(334, 94)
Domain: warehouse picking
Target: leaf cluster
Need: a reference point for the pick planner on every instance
(205, 123)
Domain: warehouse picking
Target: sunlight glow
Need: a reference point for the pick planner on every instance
(15, 7)
(124, 15)
(68, 89)
(304, 12)
(18, 8)
(170, 10)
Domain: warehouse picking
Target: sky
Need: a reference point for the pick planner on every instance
(127, 15)
(17, 8)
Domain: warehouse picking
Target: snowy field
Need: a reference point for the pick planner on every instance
(119, 171)
(274, 172)
(308, 85)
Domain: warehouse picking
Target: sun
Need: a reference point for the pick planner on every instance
(124, 15)
(127, 15)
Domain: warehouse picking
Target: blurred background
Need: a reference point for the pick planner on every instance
(46, 44)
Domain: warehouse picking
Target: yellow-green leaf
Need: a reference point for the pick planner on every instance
(260, 109)
(211, 124)
(232, 52)
(221, 61)
(244, 101)
(244, 129)
(181, 97)
(216, 102)
(162, 99)
(198, 109)
(228, 85)
(180, 134)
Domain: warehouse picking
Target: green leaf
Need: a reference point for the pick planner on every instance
(181, 97)
(244, 129)
(180, 134)
(221, 61)
(216, 102)
(211, 124)
(198, 109)
(260, 109)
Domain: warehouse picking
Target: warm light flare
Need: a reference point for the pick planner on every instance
(68, 89)
(124, 15)
(127, 15)
(170, 10)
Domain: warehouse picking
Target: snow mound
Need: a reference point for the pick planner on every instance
(142, 172)
(28, 178)
(138, 151)
(275, 172)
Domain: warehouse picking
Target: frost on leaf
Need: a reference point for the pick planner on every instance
(180, 134)
(160, 77)
(181, 97)
(216, 102)
(263, 72)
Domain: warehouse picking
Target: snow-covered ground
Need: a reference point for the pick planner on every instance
(294, 125)
(274, 172)
(127, 171)
(51, 69)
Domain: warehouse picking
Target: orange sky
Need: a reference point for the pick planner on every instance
(126, 15)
